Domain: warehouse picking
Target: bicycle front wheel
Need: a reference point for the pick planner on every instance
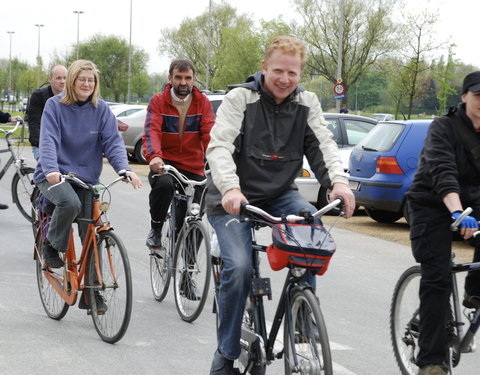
(306, 345)
(405, 320)
(191, 266)
(22, 188)
(111, 301)
(161, 261)
(52, 302)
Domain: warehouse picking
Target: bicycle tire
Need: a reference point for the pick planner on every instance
(22, 189)
(191, 265)
(52, 302)
(404, 320)
(116, 289)
(34, 211)
(310, 338)
(161, 263)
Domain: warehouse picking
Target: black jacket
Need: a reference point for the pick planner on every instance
(34, 112)
(444, 165)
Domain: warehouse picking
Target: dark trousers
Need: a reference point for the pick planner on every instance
(161, 195)
(432, 247)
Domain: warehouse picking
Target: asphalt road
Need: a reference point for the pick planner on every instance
(354, 293)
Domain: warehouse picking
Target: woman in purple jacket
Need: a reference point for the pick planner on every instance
(77, 130)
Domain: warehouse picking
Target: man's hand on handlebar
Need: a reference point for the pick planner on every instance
(468, 226)
(340, 190)
(232, 200)
(156, 165)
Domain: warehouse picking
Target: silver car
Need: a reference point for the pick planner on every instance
(132, 127)
(347, 131)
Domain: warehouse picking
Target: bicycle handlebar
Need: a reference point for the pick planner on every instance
(71, 177)
(11, 131)
(291, 218)
(171, 169)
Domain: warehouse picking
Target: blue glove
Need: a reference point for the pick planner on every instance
(468, 222)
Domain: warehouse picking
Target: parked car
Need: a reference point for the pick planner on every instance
(383, 116)
(347, 131)
(131, 128)
(382, 167)
(22, 106)
(122, 110)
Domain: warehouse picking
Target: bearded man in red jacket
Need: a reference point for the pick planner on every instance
(177, 132)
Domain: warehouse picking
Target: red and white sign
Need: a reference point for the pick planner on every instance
(339, 89)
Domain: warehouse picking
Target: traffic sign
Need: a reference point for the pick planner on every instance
(338, 96)
(339, 89)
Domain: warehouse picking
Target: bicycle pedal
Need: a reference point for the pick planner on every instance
(261, 287)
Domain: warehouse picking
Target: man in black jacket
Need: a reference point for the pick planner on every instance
(446, 182)
(56, 77)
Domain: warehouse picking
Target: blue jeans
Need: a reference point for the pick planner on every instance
(36, 153)
(67, 207)
(236, 251)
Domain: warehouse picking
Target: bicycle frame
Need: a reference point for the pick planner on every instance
(70, 283)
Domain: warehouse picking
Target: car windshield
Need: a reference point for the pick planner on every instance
(382, 137)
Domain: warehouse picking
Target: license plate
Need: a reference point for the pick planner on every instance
(353, 185)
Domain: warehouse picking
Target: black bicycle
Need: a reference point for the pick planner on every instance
(405, 318)
(22, 181)
(185, 256)
(306, 348)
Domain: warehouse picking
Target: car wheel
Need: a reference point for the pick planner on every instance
(323, 197)
(383, 216)
(139, 153)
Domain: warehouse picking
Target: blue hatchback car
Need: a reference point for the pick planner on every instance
(382, 167)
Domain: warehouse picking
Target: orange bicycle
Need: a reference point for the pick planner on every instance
(102, 271)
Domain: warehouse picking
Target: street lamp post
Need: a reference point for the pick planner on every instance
(10, 62)
(129, 58)
(78, 12)
(38, 53)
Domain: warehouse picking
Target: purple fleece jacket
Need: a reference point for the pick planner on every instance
(75, 138)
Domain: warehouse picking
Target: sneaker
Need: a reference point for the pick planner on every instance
(471, 302)
(221, 365)
(51, 257)
(432, 370)
(154, 239)
(189, 289)
(99, 301)
(3, 206)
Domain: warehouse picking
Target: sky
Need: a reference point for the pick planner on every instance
(458, 24)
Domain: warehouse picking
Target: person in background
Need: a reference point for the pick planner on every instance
(446, 182)
(4, 118)
(78, 129)
(177, 132)
(344, 109)
(56, 77)
(262, 130)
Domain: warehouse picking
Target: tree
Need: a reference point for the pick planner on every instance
(444, 74)
(110, 54)
(141, 84)
(419, 42)
(236, 46)
(368, 34)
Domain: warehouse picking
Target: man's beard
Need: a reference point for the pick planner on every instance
(182, 91)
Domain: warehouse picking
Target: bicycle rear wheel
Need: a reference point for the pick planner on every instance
(161, 261)
(405, 320)
(306, 346)
(192, 270)
(22, 188)
(115, 291)
(52, 302)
